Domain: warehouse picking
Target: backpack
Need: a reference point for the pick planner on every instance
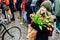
(57, 7)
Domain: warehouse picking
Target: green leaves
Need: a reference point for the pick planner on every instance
(40, 27)
(40, 20)
(35, 18)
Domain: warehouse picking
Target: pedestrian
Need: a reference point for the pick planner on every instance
(29, 11)
(18, 6)
(3, 11)
(42, 32)
(57, 14)
(11, 5)
(24, 11)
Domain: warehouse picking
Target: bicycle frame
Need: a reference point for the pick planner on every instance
(4, 31)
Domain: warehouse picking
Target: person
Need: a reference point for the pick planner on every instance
(11, 5)
(18, 6)
(28, 10)
(42, 13)
(24, 11)
(3, 11)
(57, 14)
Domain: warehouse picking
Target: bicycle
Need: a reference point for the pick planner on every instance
(12, 33)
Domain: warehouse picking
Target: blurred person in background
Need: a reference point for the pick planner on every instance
(33, 5)
(24, 10)
(38, 4)
(57, 14)
(29, 11)
(12, 10)
(3, 11)
(18, 6)
(52, 7)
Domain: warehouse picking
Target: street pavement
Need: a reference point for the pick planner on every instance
(24, 29)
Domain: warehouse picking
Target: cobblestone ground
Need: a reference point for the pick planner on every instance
(24, 29)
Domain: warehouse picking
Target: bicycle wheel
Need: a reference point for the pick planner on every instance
(14, 31)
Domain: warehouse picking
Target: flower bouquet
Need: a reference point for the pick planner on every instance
(44, 22)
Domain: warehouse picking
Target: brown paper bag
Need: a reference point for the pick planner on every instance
(31, 33)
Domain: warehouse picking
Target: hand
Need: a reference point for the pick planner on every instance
(31, 15)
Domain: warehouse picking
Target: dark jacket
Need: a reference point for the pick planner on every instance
(39, 2)
(27, 5)
(11, 5)
(18, 5)
(29, 10)
(19, 2)
(29, 2)
(11, 2)
(41, 35)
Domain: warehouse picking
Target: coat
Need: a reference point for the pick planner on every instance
(40, 1)
(19, 2)
(44, 33)
(57, 7)
(41, 35)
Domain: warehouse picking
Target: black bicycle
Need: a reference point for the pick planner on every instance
(12, 33)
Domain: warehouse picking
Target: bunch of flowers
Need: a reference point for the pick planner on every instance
(41, 21)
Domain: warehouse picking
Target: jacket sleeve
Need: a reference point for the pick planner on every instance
(51, 19)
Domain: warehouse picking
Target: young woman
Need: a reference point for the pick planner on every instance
(41, 18)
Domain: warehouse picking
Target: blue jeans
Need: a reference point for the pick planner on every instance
(25, 16)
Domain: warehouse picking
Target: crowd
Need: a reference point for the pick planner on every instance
(38, 14)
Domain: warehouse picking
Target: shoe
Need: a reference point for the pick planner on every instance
(57, 30)
(5, 20)
(12, 19)
(19, 17)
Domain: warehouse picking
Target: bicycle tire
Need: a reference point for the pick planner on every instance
(5, 34)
